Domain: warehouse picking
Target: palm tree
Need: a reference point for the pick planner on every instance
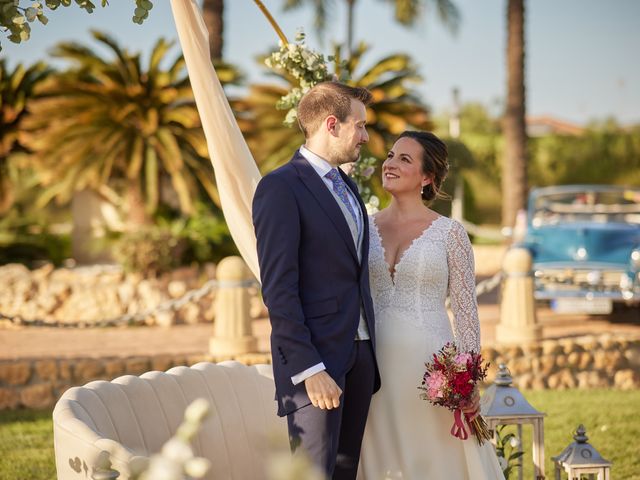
(110, 121)
(514, 174)
(396, 107)
(16, 90)
(213, 15)
(406, 13)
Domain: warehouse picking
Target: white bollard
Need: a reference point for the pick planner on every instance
(518, 322)
(232, 332)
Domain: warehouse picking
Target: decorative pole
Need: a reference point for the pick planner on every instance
(457, 205)
(272, 21)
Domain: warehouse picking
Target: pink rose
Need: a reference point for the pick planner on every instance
(435, 385)
(463, 358)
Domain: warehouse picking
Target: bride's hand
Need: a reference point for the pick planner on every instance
(472, 409)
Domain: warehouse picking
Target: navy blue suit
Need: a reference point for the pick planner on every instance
(314, 286)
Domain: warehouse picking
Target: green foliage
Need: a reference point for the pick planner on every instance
(361, 173)
(406, 12)
(304, 68)
(600, 155)
(603, 153)
(22, 241)
(17, 88)
(16, 16)
(170, 243)
(396, 106)
(508, 450)
(28, 235)
(110, 120)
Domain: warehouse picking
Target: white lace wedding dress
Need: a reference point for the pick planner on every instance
(406, 437)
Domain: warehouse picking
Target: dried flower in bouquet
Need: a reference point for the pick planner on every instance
(450, 381)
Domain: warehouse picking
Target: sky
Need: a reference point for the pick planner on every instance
(582, 60)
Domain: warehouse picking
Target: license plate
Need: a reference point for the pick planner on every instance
(593, 306)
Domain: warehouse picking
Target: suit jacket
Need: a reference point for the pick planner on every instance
(312, 280)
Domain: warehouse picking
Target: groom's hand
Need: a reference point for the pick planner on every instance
(323, 391)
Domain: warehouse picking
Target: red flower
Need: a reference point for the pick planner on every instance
(462, 384)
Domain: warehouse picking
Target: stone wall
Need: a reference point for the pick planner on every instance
(602, 361)
(90, 294)
(582, 362)
(38, 383)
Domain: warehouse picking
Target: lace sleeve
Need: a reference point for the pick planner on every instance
(462, 289)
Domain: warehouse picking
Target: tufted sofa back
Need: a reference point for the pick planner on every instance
(132, 417)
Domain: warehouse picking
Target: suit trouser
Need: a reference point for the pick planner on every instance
(332, 438)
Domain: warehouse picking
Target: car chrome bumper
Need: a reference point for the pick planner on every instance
(633, 297)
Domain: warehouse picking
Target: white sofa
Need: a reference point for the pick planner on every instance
(132, 417)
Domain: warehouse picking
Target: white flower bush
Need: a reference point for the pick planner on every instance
(309, 68)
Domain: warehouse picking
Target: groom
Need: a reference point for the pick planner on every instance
(313, 244)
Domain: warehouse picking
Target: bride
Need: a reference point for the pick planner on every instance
(416, 258)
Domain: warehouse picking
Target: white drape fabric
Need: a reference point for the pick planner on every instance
(235, 169)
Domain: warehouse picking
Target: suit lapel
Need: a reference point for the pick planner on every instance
(319, 190)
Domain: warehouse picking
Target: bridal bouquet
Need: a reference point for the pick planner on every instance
(450, 381)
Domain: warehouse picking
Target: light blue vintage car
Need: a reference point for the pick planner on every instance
(585, 243)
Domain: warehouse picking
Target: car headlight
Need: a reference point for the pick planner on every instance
(594, 277)
(635, 259)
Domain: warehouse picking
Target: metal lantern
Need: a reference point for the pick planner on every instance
(503, 404)
(580, 458)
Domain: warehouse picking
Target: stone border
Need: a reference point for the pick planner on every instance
(603, 361)
(39, 383)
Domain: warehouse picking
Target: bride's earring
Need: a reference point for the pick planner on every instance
(422, 190)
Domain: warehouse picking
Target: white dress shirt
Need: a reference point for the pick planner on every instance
(322, 167)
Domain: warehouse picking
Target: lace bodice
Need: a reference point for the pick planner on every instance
(437, 263)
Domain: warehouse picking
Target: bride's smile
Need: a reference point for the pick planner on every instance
(402, 170)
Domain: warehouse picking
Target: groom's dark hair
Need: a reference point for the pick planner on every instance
(328, 98)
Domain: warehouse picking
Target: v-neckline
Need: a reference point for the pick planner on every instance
(392, 272)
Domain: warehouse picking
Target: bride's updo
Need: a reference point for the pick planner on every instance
(435, 161)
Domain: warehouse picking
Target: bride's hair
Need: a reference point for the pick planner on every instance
(328, 98)
(435, 162)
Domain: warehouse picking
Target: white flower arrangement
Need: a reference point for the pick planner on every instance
(306, 66)
(176, 460)
(309, 68)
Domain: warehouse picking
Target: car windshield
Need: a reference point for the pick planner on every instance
(613, 206)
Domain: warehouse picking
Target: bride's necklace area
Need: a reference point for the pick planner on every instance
(404, 245)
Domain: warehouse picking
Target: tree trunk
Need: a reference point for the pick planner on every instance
(514, 171)
(137, 214)
(212, 12)
(350, 8)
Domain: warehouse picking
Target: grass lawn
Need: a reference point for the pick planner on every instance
(26, 445)
(612, 419)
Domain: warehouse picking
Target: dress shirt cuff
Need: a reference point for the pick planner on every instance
(302, 376)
